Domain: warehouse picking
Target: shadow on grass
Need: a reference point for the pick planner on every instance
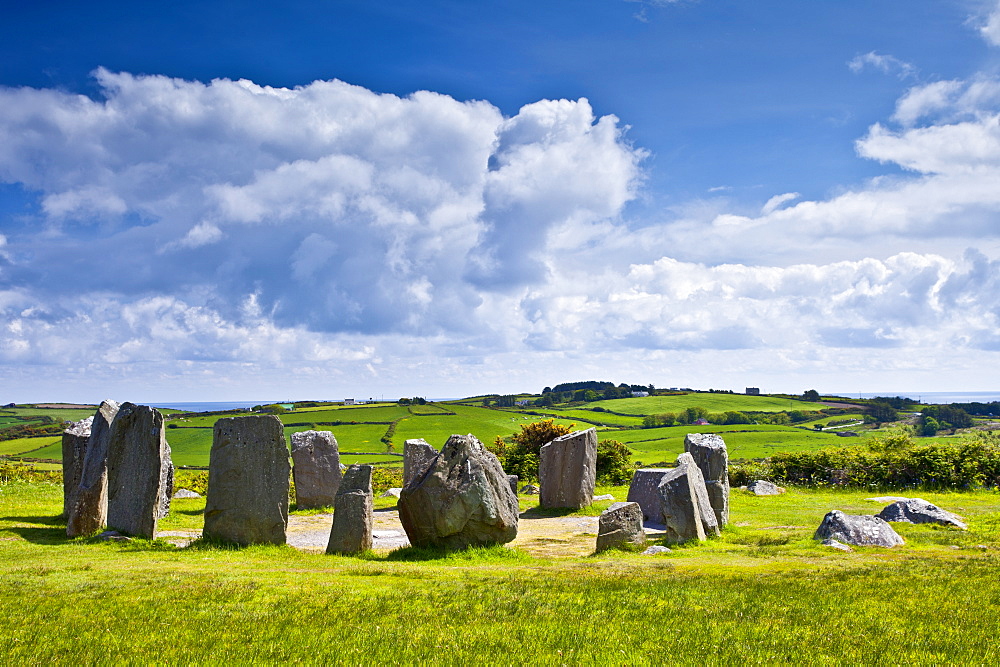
(493, 553)
(52, 530)
(187, 512)
(539, 512)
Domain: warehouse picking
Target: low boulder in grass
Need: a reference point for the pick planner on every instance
(761, 487)
(918, 510)
(861, 530)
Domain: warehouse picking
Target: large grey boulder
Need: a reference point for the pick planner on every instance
(352, 513)
(88, 510)
(463, 499)
(75, 439)
(645, 490)
(315, 468)
(687, 511)
(861, 530)
(712, 458)
(140, 473)
(247, 481)
(567, 470)
(418, 456)
(620, 527)
(918, 510)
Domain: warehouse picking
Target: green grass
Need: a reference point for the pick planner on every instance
(763, 593)
(743, 441)
(711, 402)
(23, 446)
(58, 414)
(483, 423)
(591, 415)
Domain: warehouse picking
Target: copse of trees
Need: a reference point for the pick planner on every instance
(416, 400)
(883, 412)
(935, 418)
(897, 402)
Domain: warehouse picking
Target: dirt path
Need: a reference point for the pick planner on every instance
(547, 537)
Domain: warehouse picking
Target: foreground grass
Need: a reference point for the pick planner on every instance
(764, 593)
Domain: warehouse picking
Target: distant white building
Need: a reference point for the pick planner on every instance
(348, 401)
(523, 402)
(640, 394)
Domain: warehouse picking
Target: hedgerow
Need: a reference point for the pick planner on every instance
(890, 461)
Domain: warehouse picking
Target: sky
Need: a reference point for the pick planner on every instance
(216, 201)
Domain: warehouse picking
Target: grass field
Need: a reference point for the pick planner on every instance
(764, 593)
(590, 415)
(481, 422)
(58, 414)
(651, 405)
(24, 445)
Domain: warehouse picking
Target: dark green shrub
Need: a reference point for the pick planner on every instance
(614, 462)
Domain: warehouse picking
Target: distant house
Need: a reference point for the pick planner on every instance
(753, 391)
(348, 401)
(640, 394)
(701, 422)
(11, 405)
(523, 402)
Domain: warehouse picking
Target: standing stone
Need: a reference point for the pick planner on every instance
(861, 530)
(513, 480)
(418, 456)
(247, 481)
(140, 474)
(687, 512)
(88, 511)
(567, 470)
(645, 490)
(352, 513)
(462, 500)
(74, 448)
(712, 458)
(316, 468)
(620, 526)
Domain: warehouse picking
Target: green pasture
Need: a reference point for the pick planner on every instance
(23, 446)
(481, 422)
(605, 418)
(763, 593)
(743, 441)
(58, 414)
(652, 405)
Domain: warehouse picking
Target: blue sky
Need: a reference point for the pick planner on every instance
(221, 200)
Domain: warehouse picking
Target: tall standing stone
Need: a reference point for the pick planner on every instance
(418, 456)
(463, 499)
(315, 469)
(140, 473)
(567, 470)
(352, 513)
(687, 512)
(88, 511)
(645, 490)
(75, 439)
(710, 454)
(247, 481)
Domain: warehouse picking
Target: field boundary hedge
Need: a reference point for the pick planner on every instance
(896, 462)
